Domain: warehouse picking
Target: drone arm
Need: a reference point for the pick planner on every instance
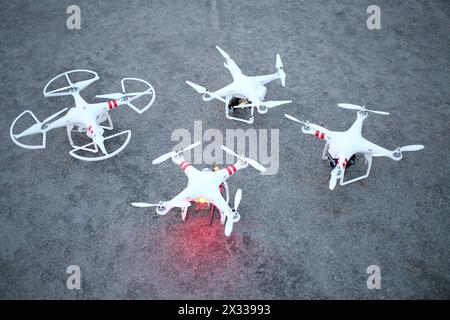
(225, 91)
(61, 122)
(318, 131)
(185, 195)
(262, 80)
(220, 203)
(375, 150)
(229, 63)
(111, 104)
(232, 67)
(183, 164)
(230, 170)
(125, 97)
(280, 74)
(43, 127)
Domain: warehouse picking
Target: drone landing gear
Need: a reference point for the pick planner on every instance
(368, 161)
(212, 211)
(333, 162)
(184, 213)
(71, 129)
(230, 109)
(105, 117)
(223, 189)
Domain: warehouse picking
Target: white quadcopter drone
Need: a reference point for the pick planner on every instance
(341, 147)
(85, 117)
(204, 186)
(244, 92)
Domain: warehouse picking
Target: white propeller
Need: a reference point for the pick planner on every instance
(168, 155)
(54, 115)
(251, 162)
(198, 87)
(296, 120)
(203, 90)
(336, 173)
(229, 224)
(397, 152)
(179, 204)
(114, 96)
(267, 104)
(230, 219)
(307, 125)
(119, 95)
(281, 73)
(360, 108)
(237, 198)
(414, 147)
(223, 53)
(333, 180)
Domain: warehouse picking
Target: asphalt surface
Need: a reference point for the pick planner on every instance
(296, 238)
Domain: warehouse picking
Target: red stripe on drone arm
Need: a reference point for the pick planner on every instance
(344, 163)
(184, 165)
(110, 105)
(233, 168)
(322, 135)
(115, 103)
(317, 133)
(230, 171)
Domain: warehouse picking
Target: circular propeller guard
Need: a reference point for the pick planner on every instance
(86, 147)
(72, 86)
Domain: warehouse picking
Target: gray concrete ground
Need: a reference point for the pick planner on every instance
(296, 239)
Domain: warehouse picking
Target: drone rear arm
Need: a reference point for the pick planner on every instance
(183, 164)
(262, 80)
(111, 104)
(373, 149)
(40, 127)
(369, 166)
(230, 170)
(185, 195)
(318, 131)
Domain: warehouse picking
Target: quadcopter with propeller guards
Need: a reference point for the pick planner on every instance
(85, 117)
(245, 92)
(342, 147)
(204, 185)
